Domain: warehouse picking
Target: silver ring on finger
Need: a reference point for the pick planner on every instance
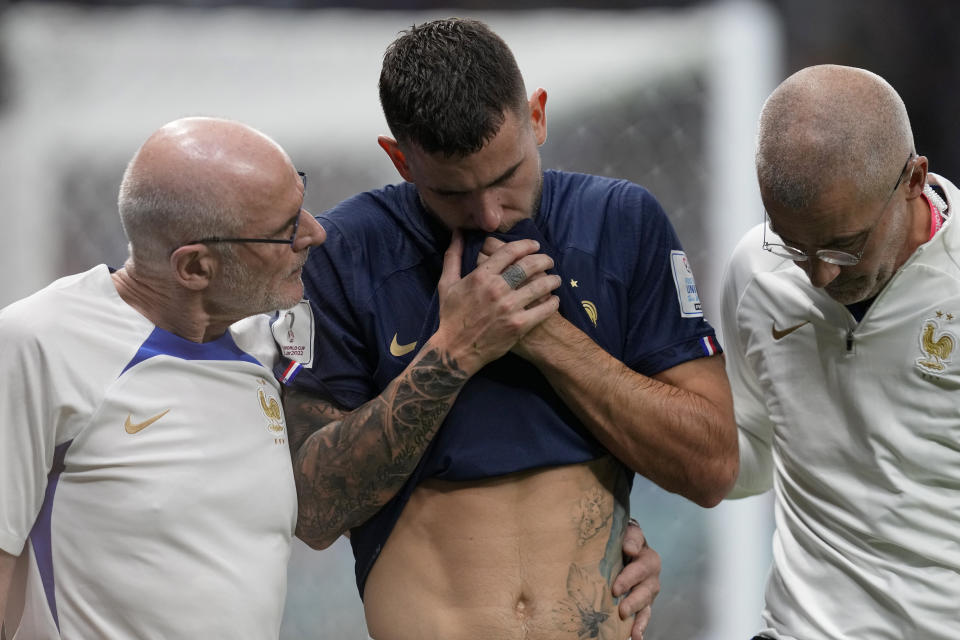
(514, 275)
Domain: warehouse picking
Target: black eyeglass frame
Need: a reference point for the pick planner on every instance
(832, 256)
(290, 241)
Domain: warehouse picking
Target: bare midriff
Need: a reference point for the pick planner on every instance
(529, 556)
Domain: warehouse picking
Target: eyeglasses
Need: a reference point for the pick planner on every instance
(290, 241)
(831, 256)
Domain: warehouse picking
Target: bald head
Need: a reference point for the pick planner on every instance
(195, 178)
(826, 125)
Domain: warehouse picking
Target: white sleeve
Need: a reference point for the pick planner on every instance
(27, 432)
(753, 423)
(756, 466)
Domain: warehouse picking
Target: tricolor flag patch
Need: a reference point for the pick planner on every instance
(710, 346)
(291, 372)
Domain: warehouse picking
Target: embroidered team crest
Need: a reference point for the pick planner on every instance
(591, 310)
(272, 411)
(936, 344)
(690, 306)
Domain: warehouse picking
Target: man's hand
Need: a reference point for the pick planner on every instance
(639, 580)
(491, 245)
(483, 314)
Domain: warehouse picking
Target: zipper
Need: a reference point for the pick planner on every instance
(883, 292)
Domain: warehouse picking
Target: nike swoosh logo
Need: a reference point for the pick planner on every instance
(398, 349)
(137, 427)
(777, 334)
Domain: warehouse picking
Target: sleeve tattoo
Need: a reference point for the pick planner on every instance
(349, 464)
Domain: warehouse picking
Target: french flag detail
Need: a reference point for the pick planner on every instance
(710, 346)
(291, 372)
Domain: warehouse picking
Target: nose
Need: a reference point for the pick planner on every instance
(820, 273)
(310, 233)
(489, 212)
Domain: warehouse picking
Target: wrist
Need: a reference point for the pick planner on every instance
(536, 345)
(467, 358)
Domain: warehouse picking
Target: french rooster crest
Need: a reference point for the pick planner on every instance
(271, 409)
(937, 348)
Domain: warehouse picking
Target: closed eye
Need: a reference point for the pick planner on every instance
(500, 180)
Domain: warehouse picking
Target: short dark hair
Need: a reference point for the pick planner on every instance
(446, 85)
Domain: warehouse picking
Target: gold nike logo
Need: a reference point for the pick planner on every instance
(137, 427)
(777, 334)
(398, 349)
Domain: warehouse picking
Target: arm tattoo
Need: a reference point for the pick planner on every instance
(356, 461)
(306, 414)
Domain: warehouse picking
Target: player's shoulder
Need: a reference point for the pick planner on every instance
(370, 211)
(372, 235)
(612, 193)
(587, 209)
(373, 225)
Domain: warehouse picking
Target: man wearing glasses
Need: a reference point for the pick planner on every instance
(145, 479)
(841, 318)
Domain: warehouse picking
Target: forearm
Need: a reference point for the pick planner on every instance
(355, 462)
(679, 431)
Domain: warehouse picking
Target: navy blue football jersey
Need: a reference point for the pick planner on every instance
(372, 291)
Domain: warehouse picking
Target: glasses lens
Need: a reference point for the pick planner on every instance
(784, 251)
(841, 258)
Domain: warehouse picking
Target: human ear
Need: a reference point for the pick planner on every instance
(538, 115)
(392, 148)
(916, 179)
(193, 266)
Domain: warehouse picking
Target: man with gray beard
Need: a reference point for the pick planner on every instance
(145, 476)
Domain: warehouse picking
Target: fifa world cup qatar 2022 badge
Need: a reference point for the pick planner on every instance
(690, 306)
(293, 333)
(937, 344)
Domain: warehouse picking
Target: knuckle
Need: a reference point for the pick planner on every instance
(523, 247)
(492, 286)
(503, 308)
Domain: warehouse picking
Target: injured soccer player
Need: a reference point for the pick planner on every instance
(496, 350)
